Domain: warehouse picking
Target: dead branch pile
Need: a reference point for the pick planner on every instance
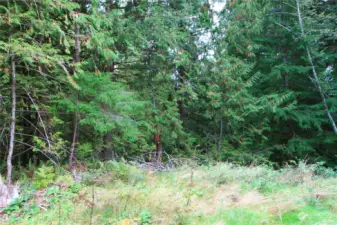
(147, 162)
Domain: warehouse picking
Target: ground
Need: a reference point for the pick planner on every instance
(221, 194)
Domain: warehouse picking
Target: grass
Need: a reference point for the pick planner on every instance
(222, 194)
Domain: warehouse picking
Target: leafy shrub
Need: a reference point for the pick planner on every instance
(145, 217)
(85, 150)
(104, 173)
(44, 176)
(226, 173)
(325, 172)
(25, 195)
(65, 179)
(119, 170)
(297, 173)
(14, 206)
(75, 188)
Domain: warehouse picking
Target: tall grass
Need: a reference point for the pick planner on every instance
(218, 194)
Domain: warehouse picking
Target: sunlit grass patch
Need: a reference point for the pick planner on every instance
(308, 215)
(223, 194)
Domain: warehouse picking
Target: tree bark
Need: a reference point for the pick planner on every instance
(76, 117)
(159, 152)
(326, 107)
(220, 135)
(284, 75)
(12, 125)
(181, 110)
(181, 78)
(108, 152)
(73, 144)
(159, 148)
(77, 44)
(285, 52)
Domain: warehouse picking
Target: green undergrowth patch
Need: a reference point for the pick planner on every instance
(222, 194)
(309, 215)
(232, 217)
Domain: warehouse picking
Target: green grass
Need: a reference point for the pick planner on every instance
(222, 194)
(308, 215)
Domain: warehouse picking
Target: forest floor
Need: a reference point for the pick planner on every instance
(222, 194)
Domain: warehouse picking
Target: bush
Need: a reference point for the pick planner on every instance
(44, 176)
(145, 217)
(112, 171)
(224, 173)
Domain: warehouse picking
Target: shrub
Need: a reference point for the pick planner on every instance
(44, 176)
(145, 217)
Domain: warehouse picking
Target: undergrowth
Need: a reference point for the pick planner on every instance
(119, 193)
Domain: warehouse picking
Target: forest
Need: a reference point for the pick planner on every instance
(140, 89)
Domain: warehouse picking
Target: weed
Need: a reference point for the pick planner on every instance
(217, 195)
(145, 217)
(44, 176)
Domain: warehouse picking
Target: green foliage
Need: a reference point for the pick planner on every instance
(230, 84)
(44, 176)
(242, 216)
(307, 215)
(14, 206)
(145, 217)
(160, 198)
(113, 171)
(19, 204)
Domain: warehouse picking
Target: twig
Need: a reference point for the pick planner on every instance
(92, 203)
(43, 126)
(60, 208)
(24, 143)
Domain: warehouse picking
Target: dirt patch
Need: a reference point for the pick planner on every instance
(251, 198)
(227, 196)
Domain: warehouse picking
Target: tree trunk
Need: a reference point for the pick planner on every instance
(73, 146)
(77, 44)
(285, 52)
(76, 117)
(108, 152)
(159, 152)
(326, 107)
(12, 125)
(284, 75)
(181, 110)
(220, 135)
(180, 103)
(159, 148)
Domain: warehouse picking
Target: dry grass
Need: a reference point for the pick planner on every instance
(202, 197)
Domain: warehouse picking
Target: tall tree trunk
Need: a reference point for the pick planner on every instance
(326, 107)
(77, 44)
(284, 74)
(220, 135)
(159, 152)
(159, 148)
(284, 51)
(73, 143)
(181, 109)
(180, 103)
(12, 126)
(108, 152)
(76, 117)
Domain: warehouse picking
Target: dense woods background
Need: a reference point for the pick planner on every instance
(242, 81)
